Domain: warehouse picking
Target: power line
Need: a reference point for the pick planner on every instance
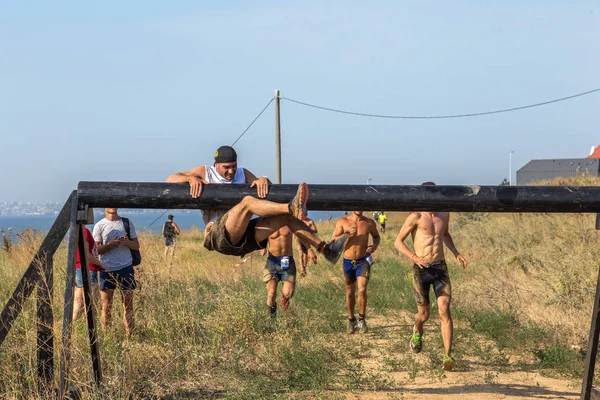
(252, 123)
(245, 130)
(442, 116)
(152, 223)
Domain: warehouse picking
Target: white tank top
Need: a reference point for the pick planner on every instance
(212, 176)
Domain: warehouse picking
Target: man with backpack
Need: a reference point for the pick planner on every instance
(170, 230)
(118, 247)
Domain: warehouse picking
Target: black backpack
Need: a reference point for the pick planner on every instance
(169, 230)
(135, 254)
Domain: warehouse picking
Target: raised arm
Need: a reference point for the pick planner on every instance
(195, 177)
(447, 238)
(339, 229)
(261, 184)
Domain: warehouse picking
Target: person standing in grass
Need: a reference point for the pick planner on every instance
(94, 268)
(429, 231)
(114, 248)
(280, 267)
(357, 263)
(170, 230)
(235, 232)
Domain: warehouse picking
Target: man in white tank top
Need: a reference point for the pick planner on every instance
(234, 231)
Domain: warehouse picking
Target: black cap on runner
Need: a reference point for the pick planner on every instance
(225, 154)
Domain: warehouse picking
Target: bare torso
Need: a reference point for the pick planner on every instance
(356, 247)
(280, 242)
(428, 237)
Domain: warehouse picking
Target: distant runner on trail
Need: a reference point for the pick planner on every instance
(306, 254)
(357, 263)
(429, 231)
(382, 221)
(234, 231)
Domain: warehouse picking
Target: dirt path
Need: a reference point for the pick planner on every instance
(482, 373)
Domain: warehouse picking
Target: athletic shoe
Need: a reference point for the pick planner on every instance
(362, 326)
(416, 342)
(351, 327)
(285, 303)
(449, 363)
(298, 204)
(334, 249)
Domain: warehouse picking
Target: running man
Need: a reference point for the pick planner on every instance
(382, 220)
(306, 254)
(280, 266)
(357, 263)
(429, 231)
(235, 231)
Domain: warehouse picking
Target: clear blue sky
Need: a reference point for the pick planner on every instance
(134, 91)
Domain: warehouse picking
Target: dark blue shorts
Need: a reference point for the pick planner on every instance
(123, 278)
(170, 241)
(355, 268)
(79, 277)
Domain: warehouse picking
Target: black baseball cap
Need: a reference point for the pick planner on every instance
(225, 154)
(170, 216)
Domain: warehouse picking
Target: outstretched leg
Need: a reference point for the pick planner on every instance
(239, 216)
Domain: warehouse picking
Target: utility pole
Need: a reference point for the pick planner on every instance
(510, 168)
(277, 139)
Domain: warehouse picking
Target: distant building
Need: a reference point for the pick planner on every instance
(543, 170)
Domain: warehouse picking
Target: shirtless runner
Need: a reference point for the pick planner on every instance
(235, 231)
(429, 231)
(306, 253)
(280, 266)
(357, 263)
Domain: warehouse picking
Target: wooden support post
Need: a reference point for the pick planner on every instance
(68, 304)
(592, 351)
(31, 276)
(45, 321)
(89, 307)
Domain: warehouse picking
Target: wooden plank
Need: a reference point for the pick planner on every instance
(590, 357)
(45, 320)
(89, 306)
(351, 197)
(31, 276)
(65, 354)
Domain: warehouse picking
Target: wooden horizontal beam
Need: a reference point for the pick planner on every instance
(550, 199)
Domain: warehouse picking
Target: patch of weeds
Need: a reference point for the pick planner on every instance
(504, 328)
(392, 364)
(490, 377)
(561, 359)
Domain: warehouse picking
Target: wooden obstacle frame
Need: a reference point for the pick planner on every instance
(73, 217)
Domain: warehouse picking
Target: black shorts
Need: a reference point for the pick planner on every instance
(423, 278)
(218, 239)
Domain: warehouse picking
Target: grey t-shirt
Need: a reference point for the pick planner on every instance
(118, 257)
